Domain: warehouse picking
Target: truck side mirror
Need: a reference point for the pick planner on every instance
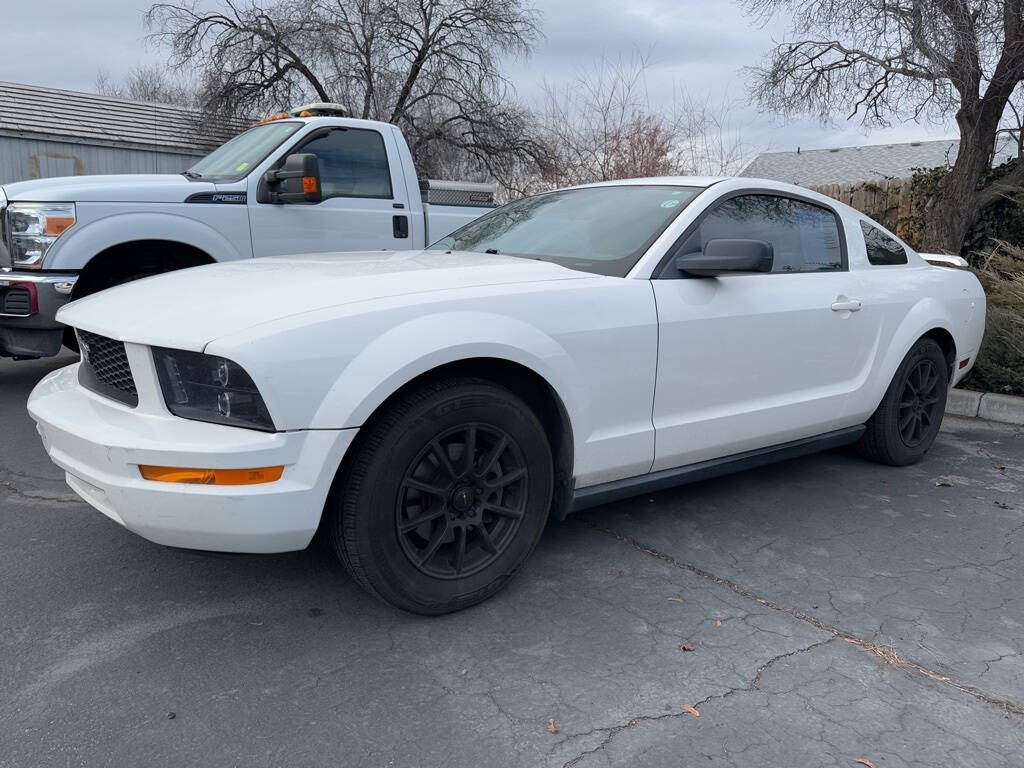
(297, 181)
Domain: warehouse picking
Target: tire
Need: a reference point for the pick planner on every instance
(411, 500)
(905, 424)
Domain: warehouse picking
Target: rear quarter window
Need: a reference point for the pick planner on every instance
(882, 249)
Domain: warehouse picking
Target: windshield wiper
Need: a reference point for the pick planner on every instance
(191, 175)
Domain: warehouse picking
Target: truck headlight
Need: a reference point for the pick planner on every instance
(31, 228)
(210, 388)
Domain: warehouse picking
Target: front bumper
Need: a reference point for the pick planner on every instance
(28, 307)
(100, 444)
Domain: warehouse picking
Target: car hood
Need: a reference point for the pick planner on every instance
(125, 188)
(190, 308)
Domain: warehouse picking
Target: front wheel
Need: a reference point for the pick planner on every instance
(905, 425)
(446, 497)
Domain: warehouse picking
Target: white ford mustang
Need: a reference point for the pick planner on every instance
(430, 410)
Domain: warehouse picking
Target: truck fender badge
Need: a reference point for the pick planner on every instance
(230, 198)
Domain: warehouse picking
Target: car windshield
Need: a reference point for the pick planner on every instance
(235, 158)
(604, 230)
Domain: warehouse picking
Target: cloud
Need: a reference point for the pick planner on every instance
(699, 45)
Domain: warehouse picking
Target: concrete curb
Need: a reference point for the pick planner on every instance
(986, 405)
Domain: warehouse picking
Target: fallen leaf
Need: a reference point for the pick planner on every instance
(686, 647)
(552, 729)
(943, 484)
(692, 710)
(675, 599)
(864, 761)
(718, 623)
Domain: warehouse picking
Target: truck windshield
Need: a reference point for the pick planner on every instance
(604, 230)
(235, 158)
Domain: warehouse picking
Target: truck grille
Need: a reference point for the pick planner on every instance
(105, 368)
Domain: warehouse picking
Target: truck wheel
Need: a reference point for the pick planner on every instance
(905, 424)
(446, 498)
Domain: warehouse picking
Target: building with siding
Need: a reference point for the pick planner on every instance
(46, 132)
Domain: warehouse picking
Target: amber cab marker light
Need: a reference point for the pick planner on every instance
(211, 476)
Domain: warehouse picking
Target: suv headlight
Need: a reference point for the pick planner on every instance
(210, 388)
(31, 228)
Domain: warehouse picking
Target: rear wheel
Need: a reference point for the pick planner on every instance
(907, 421)
(446, 498)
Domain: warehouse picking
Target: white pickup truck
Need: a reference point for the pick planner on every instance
(307, 181)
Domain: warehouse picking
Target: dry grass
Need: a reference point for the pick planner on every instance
(1000, 363)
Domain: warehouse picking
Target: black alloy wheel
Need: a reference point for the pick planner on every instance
(444, 497)
(917, 402)
(907, 421)
(462, 501)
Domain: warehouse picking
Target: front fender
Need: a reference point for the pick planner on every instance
(419, 345)
(81, 243)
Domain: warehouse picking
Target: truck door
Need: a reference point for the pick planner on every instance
(365, 204)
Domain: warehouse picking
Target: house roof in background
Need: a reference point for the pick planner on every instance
(843, 165)
(48, 113)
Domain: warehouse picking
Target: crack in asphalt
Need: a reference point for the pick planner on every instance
(39, 496)
(754, 684)
(887, 655)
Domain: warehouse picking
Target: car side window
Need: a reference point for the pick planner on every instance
(804, 237)
(353, 163)
(882, 249)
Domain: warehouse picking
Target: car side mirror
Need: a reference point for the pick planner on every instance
(724, 256)
(297, 181)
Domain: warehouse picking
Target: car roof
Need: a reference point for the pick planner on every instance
(680, 181)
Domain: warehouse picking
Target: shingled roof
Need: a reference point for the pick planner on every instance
(845, 165)
(48, 113)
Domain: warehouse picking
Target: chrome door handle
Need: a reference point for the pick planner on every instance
(844, 304)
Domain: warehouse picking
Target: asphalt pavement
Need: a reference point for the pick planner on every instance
(810, 613)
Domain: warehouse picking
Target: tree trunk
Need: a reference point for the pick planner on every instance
(954, 209)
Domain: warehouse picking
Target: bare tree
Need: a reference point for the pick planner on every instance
(431, 66)
(891, 60)
(602, 125)
(713, 140)
(150, 82)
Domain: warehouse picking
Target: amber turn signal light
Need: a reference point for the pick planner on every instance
(211, 476)
(57, 225)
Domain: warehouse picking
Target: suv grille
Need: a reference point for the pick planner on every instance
(105, 368)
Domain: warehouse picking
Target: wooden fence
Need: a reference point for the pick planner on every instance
(887, 201)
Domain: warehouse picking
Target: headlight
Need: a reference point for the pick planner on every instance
(209, 388)
(31, 228)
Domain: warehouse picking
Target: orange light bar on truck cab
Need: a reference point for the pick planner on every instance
(211, 476)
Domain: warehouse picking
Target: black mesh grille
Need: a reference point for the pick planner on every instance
(105, 368)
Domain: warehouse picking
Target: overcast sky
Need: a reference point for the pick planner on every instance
(701, 45)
